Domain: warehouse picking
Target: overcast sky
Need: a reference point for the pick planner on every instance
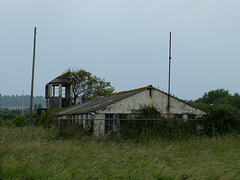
(123, 41)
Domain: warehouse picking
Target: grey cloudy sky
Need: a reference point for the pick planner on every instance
(124, 41)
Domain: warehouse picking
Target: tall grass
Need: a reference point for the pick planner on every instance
(34, 153)
(170, 129)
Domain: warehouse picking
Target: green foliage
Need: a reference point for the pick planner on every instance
(222, 119)
(18, 121)
(86, 85)
(230, 100)
(212, 96)
(8, 114)
(200, 105)
(76, 131)
(12, 117)
(148, 112)
(224, 112)
(171, 129)
(145, 130)
(48, 118)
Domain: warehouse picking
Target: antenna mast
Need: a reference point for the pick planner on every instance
(170, 57)
(34, 47)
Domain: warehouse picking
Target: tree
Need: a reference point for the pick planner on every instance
(213, 95)
(230, 100)
(86, 85)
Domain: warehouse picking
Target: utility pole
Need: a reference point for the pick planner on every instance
(22, 101)
(170, 57)
(31, 102)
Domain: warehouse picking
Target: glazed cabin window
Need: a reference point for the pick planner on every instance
(55, 91)
(63, 91)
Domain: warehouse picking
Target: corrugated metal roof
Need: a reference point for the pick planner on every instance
(101, 102)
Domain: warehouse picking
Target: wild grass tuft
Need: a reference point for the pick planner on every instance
(34, 153)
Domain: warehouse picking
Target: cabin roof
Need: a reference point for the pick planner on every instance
(60, 80)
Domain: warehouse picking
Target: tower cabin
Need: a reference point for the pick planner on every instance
(58, 93)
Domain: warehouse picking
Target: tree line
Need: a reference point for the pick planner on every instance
(16, 102)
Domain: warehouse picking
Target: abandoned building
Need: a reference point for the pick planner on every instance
(103, 110)
(58, 93)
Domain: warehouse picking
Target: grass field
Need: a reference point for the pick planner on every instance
(34, 153)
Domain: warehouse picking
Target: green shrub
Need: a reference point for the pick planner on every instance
(18, 121)
(148, 112)
(171, 129)
(144, 130)
(222, 119)
(48, 118)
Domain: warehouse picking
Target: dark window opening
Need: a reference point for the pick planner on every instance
(46, 92)
(178, 116)
(123, 116)
(192, 116)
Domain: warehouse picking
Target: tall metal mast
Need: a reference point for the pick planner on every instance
(34, 47)
(170, 57)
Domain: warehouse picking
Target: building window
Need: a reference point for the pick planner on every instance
(55, 91)
(63, 91)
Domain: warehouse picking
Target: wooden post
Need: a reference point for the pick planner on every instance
(59, 126)
(31, 102)
(168, 106)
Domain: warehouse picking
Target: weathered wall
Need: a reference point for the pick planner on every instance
(154, 98)
(99, 125)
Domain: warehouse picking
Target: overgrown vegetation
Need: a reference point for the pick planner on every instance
(7, 114)
(224, 112)
(12, 118)
(48, 118)
(215, 97)
(222, 119)
(158, 126)
(34, 153)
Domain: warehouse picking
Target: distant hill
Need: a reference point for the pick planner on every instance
(16, 102)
